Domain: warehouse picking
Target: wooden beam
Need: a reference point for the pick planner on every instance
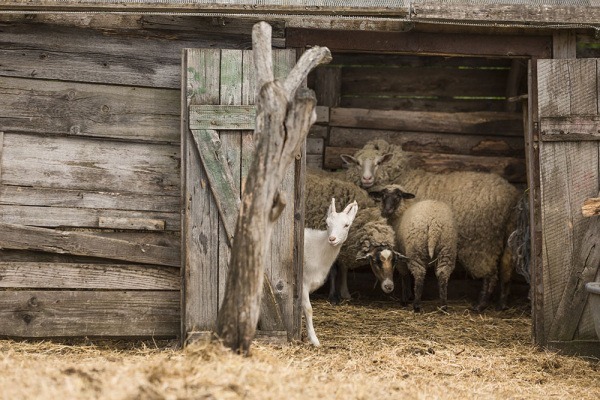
(434, 10)
(46, 275)
(474, 123)
(223, 117)
(591, 207)
(47, 313)
(420, 142)
(146, 224)
(61, 217)
(77, 243)
(423, 43)
(81, 199)
(570, 128)
(267, 7)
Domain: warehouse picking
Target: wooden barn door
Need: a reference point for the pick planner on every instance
(568, 253)
(217, 149)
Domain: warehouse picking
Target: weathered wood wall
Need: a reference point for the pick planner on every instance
(90, 170)
(90, 155)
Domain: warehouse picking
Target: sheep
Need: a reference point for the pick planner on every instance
(373, 240)
(426, 234)
(321, 247)
(482, 204)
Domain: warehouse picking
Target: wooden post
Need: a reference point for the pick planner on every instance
(284, 116)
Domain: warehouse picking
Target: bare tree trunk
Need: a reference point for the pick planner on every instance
(283, 118)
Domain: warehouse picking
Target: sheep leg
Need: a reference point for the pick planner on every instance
(506, 270)
(308, 314)
(344, 292)
(334, 294)
(443, 275)
(406, 285)
(489, 284)
(418, 272)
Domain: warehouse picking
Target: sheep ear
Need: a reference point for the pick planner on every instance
(401, 256)
(385, 158)
(367, 256)
(406, 195)
(348, 159)
(376, 191)
(331, 209)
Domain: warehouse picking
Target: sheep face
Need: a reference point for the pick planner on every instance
(392, 198)
(382, 264)
(368, 162)
(338, 224)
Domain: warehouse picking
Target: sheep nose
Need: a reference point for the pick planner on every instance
(367, 178)
(332, 239)
(388, 287)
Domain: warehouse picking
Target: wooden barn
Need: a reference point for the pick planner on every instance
(113, 219)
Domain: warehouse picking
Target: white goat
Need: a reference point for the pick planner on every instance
(321, 248)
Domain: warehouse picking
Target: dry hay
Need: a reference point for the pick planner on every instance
(371, 349)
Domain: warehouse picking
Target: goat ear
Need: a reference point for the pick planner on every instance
(351, 209)
(331, 208)
(348, 159)
(385, 158)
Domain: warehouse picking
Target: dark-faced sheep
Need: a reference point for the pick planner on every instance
(483, 206)
(426, 234)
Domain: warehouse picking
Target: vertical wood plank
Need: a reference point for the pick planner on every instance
(535, 218)
(1, 151)
(553, 88)
(200, 297)
(280, 269)
(513, 83)
(248, 98)
(231, 94)
(564, 44)
(328, 85)
(583, 85)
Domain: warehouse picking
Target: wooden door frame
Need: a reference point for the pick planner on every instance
(560, 44)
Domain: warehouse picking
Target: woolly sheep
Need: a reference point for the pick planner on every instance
(482, 204)
(426, 234)
(372, 241)
(321, 247)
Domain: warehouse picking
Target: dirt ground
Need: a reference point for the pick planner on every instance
(372, 349)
